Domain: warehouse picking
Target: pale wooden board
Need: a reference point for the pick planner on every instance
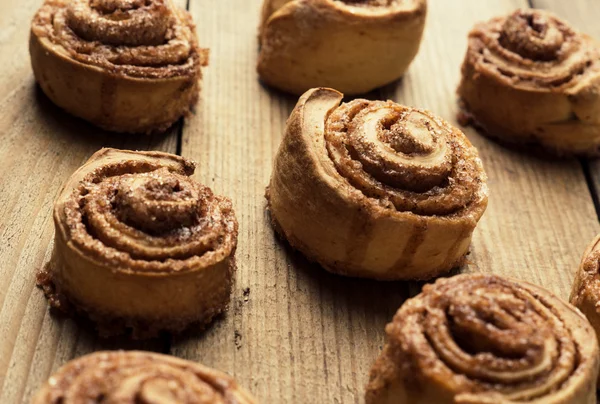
(302, 335)
(41, 146)
(584, 16)
(297, 334)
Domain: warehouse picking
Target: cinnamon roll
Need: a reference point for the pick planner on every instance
(375, 189)
(140, 246)
(124, 65)
(585, 294)
(352, 45)
(529, 79)
(486, 339)
(139, 377)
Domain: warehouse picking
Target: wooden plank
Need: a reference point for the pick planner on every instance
(41, 147)
(295, 333)
(14, 36)
(583, 15)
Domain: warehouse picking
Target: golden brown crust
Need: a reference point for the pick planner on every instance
(135, 377)
(125, 66)
(353, 46)
(138, 242)
(110, 324)
(529, 78)
(375, 189)
(585, 294)
(486, 339)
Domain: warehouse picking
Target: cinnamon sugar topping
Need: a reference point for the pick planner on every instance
(145, 216)
(149, 38)
(139, 377)
(533, 49)
(483, 338)
(533, 35)
(405, 156)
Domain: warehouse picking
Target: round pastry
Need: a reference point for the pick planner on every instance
(352, 45)
(585, 294)
(531, 80)
(139, 377)
(124, 65)
(477, 339)
(375, 189)
(140, 246)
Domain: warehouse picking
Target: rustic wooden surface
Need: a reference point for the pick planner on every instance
(293, 333)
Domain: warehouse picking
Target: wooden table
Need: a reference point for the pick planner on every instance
(293, 334)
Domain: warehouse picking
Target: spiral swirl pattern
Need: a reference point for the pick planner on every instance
(375, 189)
(489, 339)
(140, 245)
(143, 215)
(405, 157)
(141, 378)
(534, 48)
(140, 38)
(530, 80)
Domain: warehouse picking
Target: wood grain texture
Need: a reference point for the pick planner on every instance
(295, 333)
(41, 147)
(582, 15)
